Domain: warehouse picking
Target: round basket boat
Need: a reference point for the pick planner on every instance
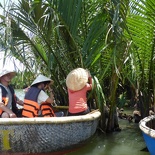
(42, 135)
(147, 126)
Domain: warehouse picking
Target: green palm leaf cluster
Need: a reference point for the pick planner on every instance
(141, 26)
(113, 39)
(54, 37)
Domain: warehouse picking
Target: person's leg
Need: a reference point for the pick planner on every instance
(59, 114)
(80, 113)
(5, 115)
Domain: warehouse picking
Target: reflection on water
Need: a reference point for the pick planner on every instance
(127, 142)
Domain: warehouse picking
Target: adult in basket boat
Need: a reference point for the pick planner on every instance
(36, 101)
(8, 99)
(79, 82)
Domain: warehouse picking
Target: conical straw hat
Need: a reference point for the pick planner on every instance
(41, 78)
(77, 79)
(7, 71)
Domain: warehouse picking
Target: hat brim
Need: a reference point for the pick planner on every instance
(42, 78)
(77, 79)
(5, 72)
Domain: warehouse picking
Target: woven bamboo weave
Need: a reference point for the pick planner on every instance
(41, 135)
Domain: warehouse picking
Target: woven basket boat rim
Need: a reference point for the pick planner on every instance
(51, 120)
(142, 125)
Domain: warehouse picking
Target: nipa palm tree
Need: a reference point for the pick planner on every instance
(107, 37)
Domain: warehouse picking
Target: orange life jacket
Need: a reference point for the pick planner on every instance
(31, 107)
(5, 99)
(47, 110)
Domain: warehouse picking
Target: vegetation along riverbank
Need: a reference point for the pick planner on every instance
(113, 39)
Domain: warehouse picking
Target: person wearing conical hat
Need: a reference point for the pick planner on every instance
(36, 101)
(78, 82)
(8, 102)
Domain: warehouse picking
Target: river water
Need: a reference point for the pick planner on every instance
(129, 141)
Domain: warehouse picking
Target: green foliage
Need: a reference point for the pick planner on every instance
(113, 39)
(22, 80)
(141, 27)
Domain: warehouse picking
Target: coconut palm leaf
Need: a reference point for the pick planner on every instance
(113, 39)
(141, 27)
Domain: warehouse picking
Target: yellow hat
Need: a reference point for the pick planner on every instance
(7, 71)
(77, 79)
(41, 78)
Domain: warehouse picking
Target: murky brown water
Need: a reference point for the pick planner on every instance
(127, 142)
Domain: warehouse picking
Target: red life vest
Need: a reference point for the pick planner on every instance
(31, 107)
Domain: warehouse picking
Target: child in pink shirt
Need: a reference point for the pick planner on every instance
(78, 81)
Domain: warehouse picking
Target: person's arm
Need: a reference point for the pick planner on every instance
(51, 97)
(4, 108)
(7, 110)
(51, 93)
(90, 80)
(18, 101)
(42, 97)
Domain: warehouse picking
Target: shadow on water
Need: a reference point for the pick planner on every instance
(129, 141)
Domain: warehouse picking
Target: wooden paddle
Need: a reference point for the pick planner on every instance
(61, 107)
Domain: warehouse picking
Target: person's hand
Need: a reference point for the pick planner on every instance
(48, 88)
(54, 104)
(20, 102)
(12, 115)
(89, 75)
